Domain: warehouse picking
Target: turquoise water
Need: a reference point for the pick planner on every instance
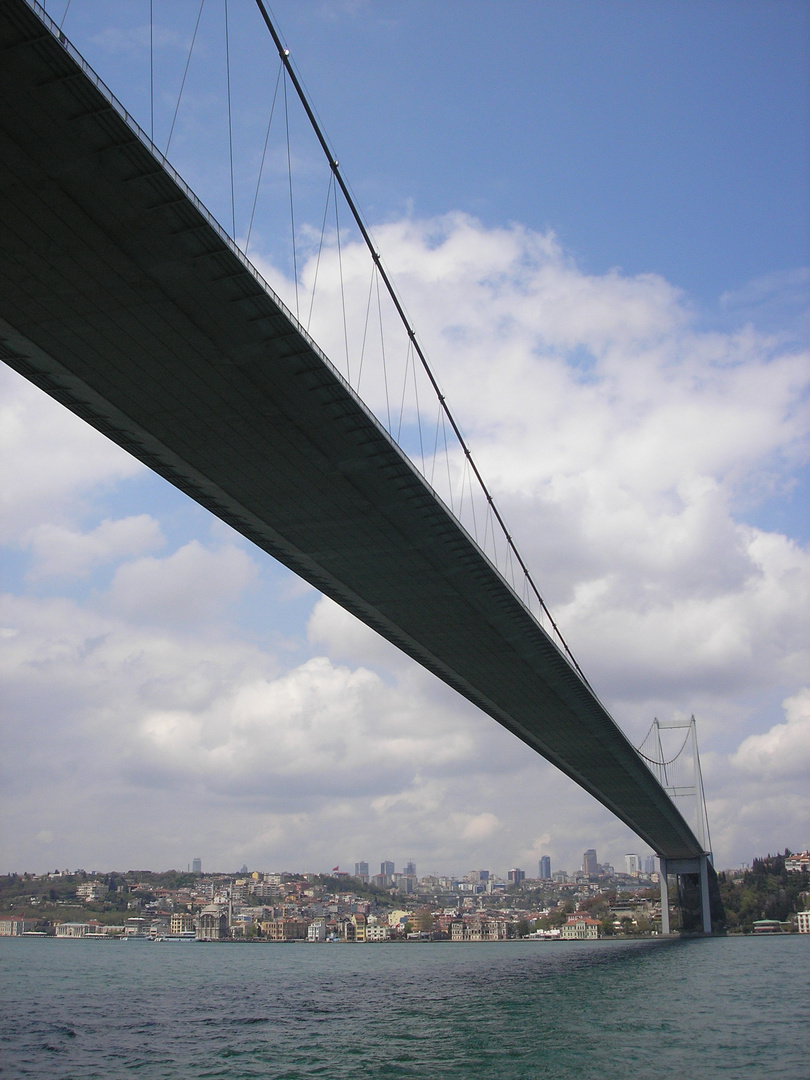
(734, 1007)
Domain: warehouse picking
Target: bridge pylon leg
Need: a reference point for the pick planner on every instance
(662, 879)
(705, 902)
(696, 866)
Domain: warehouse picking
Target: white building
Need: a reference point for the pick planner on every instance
(581, 928)
(74, 929)
(316, 931)
(803, 921)
(378, 933)
(91, 890)
(632, 864)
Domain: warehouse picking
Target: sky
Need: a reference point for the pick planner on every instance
(596, 217)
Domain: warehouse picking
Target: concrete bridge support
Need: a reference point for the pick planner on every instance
(698, 866)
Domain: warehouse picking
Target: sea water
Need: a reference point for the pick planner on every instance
(729, 1007)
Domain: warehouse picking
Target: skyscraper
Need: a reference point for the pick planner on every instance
(516, 876)
(196, 865)
(589, 864)
(632, 864)
(361, 870)
(387, 869)
(545, 868)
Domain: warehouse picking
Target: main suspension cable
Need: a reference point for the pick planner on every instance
(334, 166)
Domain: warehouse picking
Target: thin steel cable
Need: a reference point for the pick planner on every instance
(151, 71)
(292, 208)
(365, 325)
(230, 119)
(447, 464)
(64, 14)
(264, 157)
(418, 416)
(435, 446)
(404, 390)
(382, 347)
(320, 249)
(185, 73)
(342, 290)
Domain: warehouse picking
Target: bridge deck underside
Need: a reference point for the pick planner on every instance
(120, 299)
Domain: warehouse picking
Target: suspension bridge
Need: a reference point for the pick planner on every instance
(125, 300)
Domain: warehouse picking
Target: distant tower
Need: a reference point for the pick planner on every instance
(387, 869)
(589, 864)
(545, 868)
(196, 866)
(410, 869)
(361, 871)
(632, 864)
(515, 876)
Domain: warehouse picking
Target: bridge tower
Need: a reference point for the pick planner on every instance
(681, 777)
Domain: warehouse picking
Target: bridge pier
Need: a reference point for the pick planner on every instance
(698, 866)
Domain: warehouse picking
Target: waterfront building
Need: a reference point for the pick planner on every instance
(16, 926)
(75, 929)
(285, 929)
(478, 928)
(768, 926)
(378, 933)
(212, 924)
(135, 926)
(316, 931)
(581, 928)
(181, 922)
(803, 922)
(544, 867)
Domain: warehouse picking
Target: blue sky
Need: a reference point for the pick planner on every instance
(597, 217)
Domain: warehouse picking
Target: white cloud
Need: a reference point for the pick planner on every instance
(191, 584)
(53, 461)
(63, 552)
(784, 750)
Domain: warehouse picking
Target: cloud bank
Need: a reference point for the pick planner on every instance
(166, 697)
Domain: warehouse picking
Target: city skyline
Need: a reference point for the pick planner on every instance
(604, 248)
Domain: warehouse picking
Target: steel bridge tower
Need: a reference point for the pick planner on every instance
(681, 777)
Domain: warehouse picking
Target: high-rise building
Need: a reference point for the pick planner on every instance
(515, 876)
(589, 864)
(196, 866)
(545, 867)
(410, 868)
(632, 864)
(387, 869)
(361, 870)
